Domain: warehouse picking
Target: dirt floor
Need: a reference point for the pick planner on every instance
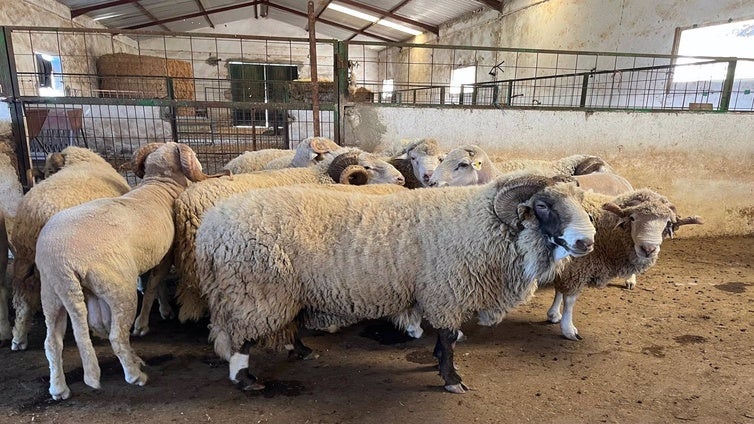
(677, 348)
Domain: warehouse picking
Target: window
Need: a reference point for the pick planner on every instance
(735, 39)
(49, 75)
(387, 90)
(458, 78)
(260, 83)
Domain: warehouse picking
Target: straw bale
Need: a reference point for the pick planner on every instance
(301, 91)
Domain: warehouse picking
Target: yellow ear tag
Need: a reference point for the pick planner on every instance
(477, 165)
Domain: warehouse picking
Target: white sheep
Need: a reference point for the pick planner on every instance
(90, 256)
(353, 167)
(470, 164)
(417, 161)
(265, 264)
(309, 152)
(630, 231)
(83, 177)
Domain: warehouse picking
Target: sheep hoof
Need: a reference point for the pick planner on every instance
(140, 331)
(139, 380)
(250, 384)
(461, 337)
(459, 388)
(93, 383)
(65, 394)
(17, 345)
(575, 337)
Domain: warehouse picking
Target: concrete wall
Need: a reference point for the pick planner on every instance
(703, 162)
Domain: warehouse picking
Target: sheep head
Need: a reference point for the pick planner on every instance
(140, 157)
(467, 165)
(425, 155)
(170, 159)
(650, 217)
(53, 163)
(313, 150)
(377, 170)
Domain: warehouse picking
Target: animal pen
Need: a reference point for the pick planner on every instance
(114, 90)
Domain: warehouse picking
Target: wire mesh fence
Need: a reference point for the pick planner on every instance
(113, 91)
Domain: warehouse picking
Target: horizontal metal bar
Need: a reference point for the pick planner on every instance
(167, 102)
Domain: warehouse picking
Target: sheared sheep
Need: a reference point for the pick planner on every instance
(630, 230)
(469, 165)
(83, 177)
(309, 152)
(265, 265)
(417, 161)
(353, 167)
(90, 256)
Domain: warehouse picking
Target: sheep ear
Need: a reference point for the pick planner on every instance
(354, 175)
(140, 157)
(510, 205)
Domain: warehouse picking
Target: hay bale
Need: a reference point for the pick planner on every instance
(301, 91)
(134, 76)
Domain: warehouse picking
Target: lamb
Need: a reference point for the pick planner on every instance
(630, 231)
(309, 152)
(266, 266)
(83, 177)
(417, 161)
(469, 165)
(90, 256)
(347, 168)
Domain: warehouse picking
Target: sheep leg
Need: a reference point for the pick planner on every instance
(156, 280)
(26, 290)
(123, 310)
(6, 332)
(163, 298)
(631, 282)
(56, 321)
(566, 325)
(239, 369)
(553, 314)
(446, 339)
(300, 350)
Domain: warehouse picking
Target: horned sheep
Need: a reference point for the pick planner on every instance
(93, 278)
(352, 167)
(630, 231)
(84, 176)
(264, 263)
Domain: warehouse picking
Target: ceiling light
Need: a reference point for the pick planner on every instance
(370, 18)
(107, 16)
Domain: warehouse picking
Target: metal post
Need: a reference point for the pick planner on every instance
(173, 110)
(726, 95)
(584, 88)
(313, 65)
(12, 93)
(341, 88)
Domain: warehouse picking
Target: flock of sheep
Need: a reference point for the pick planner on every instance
(321, 238)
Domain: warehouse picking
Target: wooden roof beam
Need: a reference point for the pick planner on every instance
(433, 29)
(84, 10)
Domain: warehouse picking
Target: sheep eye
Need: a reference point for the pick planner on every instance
(462, 165)
(591, 218)
(367, 167)
(541, 206)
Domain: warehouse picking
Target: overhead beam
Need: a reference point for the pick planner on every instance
(149, 15)
(206, 16)
(84, 10)
(371, 24)
(493, 4)
(197, 14)
(331, 23)
(433, 29)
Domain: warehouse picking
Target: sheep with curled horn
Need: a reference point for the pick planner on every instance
(265, 267)
(82, 175)
(308, 153)
(470, 164)
(352, 167)
(630, 230)
(90, 256)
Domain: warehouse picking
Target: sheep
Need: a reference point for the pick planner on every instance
(309, 152)
(90, 256)
(83, 177)
(417, 161)
(468, 165)
(264, 263)
(630, 231)
(347, 168)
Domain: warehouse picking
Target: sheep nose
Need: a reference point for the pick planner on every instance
(585, 245)
(433, 183)
(427, 175)
(648, 249)
(400, 180)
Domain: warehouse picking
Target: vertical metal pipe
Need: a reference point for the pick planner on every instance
(11, 90)
(173, 109)
(313, 65)
(726, 95)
